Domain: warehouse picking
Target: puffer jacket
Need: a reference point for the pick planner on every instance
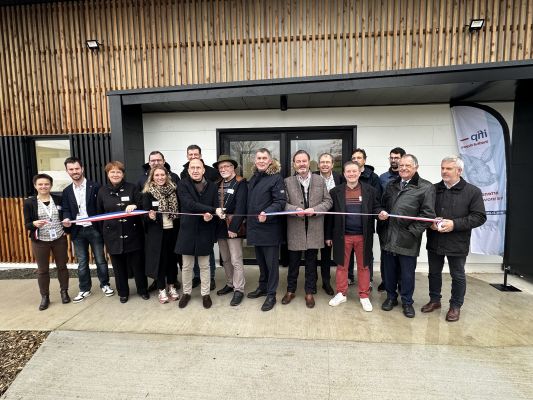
(403, 236)
(463, 204)
(266, 192)
(369, 177)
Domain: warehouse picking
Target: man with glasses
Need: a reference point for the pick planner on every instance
(407, 195)
(155, 159)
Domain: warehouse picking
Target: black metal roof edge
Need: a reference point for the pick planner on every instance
(28, 2)
(505, 65)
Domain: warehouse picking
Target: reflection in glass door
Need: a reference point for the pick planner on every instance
(316, 147)
(243, 151)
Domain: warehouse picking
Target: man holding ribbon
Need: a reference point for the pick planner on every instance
(307, 193)
(411, 196)
(461, 207)
(266, 194)
(351, 229)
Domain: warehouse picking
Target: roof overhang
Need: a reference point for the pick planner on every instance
(476, 83)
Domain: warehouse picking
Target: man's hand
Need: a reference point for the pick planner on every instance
(39, 223)
(66, 223)
(152, 215)
(220, 213)
(232, 235)
(445, 226)
(309, 211)
(208, 217)
(435, 225)
(301, 212)
(262, 217)
(383, 215)
(329, 243)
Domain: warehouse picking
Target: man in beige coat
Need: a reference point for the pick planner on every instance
(308, 193)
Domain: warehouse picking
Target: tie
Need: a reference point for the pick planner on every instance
(403, 184)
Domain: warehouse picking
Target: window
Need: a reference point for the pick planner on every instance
(50, 156)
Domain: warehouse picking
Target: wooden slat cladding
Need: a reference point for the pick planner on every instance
(52, 84)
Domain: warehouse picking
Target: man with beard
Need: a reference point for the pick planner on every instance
(266, 194)
(79, 201)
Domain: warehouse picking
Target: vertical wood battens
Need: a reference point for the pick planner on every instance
(53, 84)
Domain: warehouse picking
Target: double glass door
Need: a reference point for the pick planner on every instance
(241, 145)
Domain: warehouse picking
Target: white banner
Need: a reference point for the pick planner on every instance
(482, 147)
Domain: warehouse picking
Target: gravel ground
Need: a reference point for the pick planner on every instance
(16, 349)
(30, 273)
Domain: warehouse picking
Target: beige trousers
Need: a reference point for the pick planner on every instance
(187, 274)
(231, 252)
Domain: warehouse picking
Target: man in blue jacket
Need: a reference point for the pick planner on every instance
(79, 201)
(266, 194)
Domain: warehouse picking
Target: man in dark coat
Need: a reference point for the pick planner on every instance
(79, 201)
(197, 234)
(461, 207)
(194, 152)
(155, 158)
(352, 233)
(266, 193)
(332, 178)
(408, 195)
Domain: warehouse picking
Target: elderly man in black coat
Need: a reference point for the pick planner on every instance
(197, 234)
(461, 206)
(266, 194)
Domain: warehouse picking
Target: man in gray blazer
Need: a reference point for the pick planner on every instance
(306, 193)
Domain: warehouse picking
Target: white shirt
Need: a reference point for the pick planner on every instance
(80, 193)
(330, 182)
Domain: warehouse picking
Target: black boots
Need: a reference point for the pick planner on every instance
(45, 302)
(65, 298)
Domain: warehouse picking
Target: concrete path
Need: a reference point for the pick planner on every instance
(103, 349)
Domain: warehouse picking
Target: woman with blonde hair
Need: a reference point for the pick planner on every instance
(161, 232)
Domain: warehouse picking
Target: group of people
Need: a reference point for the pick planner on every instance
(334, 214)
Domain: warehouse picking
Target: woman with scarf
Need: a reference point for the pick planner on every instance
(123, 237)
(161, 232)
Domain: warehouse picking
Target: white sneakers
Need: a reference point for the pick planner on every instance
(173, 293)
(108, 291)
(367, 305)
(81, 296)
(163, 298)
(338, 299)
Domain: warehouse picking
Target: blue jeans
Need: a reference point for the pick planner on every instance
(457, 272)
(406, 265)
(86, 237)
(212, 266)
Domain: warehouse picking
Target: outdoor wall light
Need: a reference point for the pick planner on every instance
(93, 45)
(283, 104)
(476, 25)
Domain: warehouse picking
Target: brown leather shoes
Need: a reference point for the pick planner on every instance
(184, 301)
(206, 301)
(287, 298)
(453, 314)
(431, 306)
(309, 301)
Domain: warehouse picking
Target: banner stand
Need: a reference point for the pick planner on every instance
(505, 287)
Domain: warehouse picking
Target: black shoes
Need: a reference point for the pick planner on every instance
(195, 282)
(408, 310)
(381, 287)
(269, 303)
(256, 293)
(65, 298)
(153, 286)
(237, 298)
(123, 299)
(184, 301)
(206, 301)
(145, 296)
(225, 290)
(389, 304)
(45, 302)
(212, 285)
(328, 289)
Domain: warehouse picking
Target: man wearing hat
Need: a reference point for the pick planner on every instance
(232, 195)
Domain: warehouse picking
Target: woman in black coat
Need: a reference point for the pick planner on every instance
(43, 219)
(161, 232)
(123, 237)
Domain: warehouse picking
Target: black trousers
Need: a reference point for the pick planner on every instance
(325, 264)
(268, 260)
(168, 260)
(457, 272)
(310, 256)
(121, 262)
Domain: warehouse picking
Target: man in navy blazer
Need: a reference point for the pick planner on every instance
(79, 201)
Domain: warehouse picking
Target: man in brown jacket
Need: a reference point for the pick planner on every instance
(306, 192)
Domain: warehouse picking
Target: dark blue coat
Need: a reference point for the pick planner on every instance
(70, 205)
(196, 237)
(266, 192)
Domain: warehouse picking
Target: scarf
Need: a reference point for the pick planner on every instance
(305, 182)
(166, 195)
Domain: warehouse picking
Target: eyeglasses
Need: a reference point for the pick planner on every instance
(394, 158)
